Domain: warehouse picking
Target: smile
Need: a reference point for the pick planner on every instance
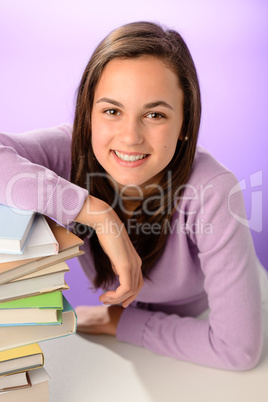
(130, 158)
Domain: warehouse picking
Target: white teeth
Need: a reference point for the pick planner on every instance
(129, 158)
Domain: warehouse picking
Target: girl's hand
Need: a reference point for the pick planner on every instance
(115, 242)
(125, 262)
(98, 319)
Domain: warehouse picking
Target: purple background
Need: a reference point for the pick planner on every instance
(44, 47)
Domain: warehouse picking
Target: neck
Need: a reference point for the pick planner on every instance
(132, 196)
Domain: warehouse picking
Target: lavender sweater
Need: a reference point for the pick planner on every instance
(209, 259)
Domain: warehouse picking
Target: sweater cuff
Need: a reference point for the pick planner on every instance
(131, 326)
(65, 202)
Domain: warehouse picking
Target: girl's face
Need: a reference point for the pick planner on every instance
(137, 116)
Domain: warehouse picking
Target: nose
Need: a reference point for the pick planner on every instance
(131, 132)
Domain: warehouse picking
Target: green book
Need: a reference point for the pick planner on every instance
(13, 337)
(35, 310)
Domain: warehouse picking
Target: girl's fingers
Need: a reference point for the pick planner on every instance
(125, 260)
(125, 263)
(115, 297)
(121, 295)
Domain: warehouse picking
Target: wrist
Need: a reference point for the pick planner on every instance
(93, 212)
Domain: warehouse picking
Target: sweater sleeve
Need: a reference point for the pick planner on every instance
(35, 171)
(231, 337)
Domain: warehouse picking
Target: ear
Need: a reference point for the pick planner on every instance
(181, 134)
(183, 137)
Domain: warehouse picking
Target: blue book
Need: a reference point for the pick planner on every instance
(15, 228)
(13, 337)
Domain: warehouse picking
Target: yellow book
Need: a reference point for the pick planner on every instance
(20, 359)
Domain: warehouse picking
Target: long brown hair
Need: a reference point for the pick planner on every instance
(132, 41)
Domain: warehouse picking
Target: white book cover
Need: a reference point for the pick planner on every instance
(41, 243)
(15, 227)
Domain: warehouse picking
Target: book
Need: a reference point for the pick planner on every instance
(15, 226)
(42, 281)
(38, 392)
(12, 337)
(44, 272)
(36, 310)
(41, 243)
(23, 358)
(15, 381)
(68, 248)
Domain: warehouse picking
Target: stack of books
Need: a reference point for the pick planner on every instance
(33, 251)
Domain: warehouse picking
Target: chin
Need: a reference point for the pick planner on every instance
(139, 182)
(130, 183)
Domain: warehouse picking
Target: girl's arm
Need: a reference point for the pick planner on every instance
(231, 337)
(35, 171)
(115, 242)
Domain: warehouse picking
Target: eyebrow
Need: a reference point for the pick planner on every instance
(147, 106)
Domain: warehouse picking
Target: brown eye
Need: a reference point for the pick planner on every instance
(112, 112)
(156, 116)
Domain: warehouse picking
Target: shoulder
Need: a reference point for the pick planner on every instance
(213, 198)
(206, 166)
(207, 169)
(61, 133)
(66, 129)
(210, 185)
(49, 147)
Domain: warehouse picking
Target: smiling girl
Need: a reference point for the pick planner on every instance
(157, 212)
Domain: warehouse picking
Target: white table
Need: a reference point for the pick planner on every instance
(87, 368)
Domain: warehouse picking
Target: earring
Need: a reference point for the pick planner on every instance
(185, 138)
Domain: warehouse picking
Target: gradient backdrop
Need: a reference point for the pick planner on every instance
(45, 45)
